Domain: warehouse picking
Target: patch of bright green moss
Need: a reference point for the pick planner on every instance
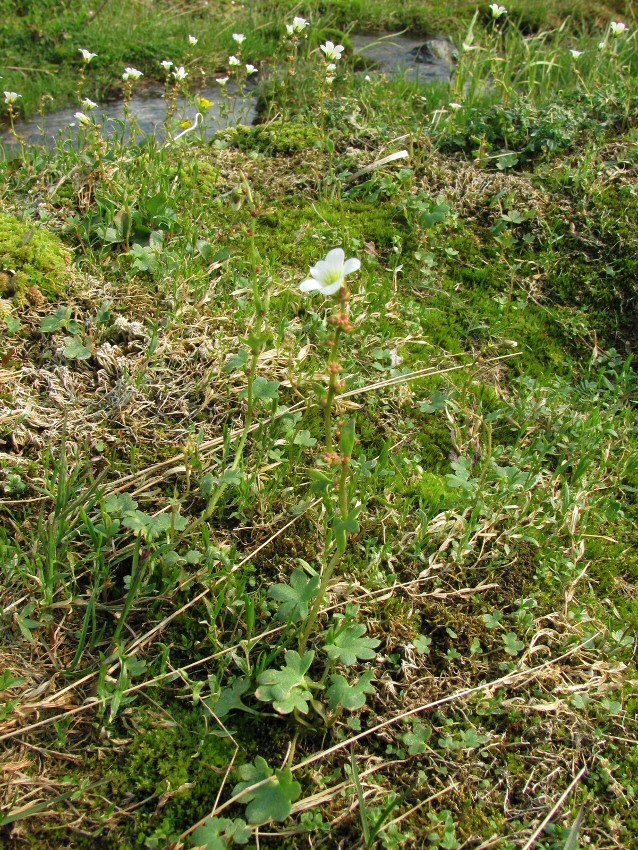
(182, 760)
(31, 258)
(277, 137)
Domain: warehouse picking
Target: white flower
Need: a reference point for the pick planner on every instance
(455, 105)
(88, 104)
(222, 81)
(87, 55)
(192, 39)
(328, 275)
(332, 51)
(166, 65)
(83, 119)
(180, 73)
(576, 53)
(11, 97)
(250, 69)
(602, 45)
(368, 78)
(497, 10)
(297, 26)
(617, 27)
(131, 74)
(239, 37)
(233, 60)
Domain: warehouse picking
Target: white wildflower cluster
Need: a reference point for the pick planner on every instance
(131, 74)
(297, 27)
(332, 53)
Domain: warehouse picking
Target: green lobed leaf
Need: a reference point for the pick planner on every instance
(272, 800)
(416, 740)
(347, 645)
(342, 694)
(218, 833)
(74, 349)
(294, 597)
(287, 688)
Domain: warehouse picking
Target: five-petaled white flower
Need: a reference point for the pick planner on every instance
(576, 53)
(11, 97)
(88, 104)
(297, 26)
(250, 69)
(328, 275)
(192, 39)
(233, 60)
(86, 54)
(222, 81)
(131, 74)
(239, 37)
(166, 65)
(617, 27)
(83, 119)
(332, 51)
(180, 73)
(498, 11)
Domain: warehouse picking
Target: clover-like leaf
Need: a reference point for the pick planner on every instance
(263, 389)
(287, 688)
(417, 739)
(74, 349)
(342, 693)
(512, 644)
(119, 504)
(422, 644)
(273, 799)
(347, 645)
(237, 361)
(305, 439)
(294, 597)
(60, 319)
(217, 833)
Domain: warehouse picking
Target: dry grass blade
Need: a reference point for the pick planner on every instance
(555, 808)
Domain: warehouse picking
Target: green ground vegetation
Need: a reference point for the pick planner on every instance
(231, 619)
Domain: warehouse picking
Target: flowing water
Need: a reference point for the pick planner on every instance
(147, 111)
(415, 59)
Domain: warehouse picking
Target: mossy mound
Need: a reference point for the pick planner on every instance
(33, 263)
(278, 137)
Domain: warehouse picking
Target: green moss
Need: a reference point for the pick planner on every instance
(277, 137)
(31, 258)
(180, 758)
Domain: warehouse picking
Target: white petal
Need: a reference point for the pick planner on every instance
(309, 285)
(334, 259)
(332, 288)
(320, 270)
(351, 265)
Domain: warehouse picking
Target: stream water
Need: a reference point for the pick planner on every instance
(415, 59)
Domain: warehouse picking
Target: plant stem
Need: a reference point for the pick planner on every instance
(332, 391)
